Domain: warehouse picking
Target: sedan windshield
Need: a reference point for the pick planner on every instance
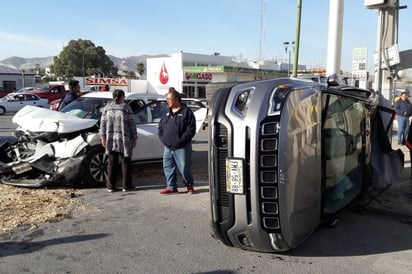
(85, 107)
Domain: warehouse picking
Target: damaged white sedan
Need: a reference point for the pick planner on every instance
(64, 147)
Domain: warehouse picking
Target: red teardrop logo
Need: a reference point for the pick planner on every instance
(164, 76)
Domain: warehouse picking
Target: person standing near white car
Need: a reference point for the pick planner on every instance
(177, 128)
(119, 137)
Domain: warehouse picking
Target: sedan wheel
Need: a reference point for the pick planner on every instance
(2, 110)
(95, 164)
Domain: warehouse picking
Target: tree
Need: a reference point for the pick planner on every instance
(82, 58)
(140, 68)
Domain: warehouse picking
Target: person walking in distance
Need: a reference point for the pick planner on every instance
(403, 112)
(119, 136)
(177, 128)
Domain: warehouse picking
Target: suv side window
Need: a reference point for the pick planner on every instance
(343, 150)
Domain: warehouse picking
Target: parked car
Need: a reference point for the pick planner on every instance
(50, 91)
(65, 147)
(287, 155)
(16, 101)
(4, 92)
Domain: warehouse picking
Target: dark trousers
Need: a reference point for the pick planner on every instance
(112, 170)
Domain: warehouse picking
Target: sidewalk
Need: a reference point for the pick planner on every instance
(397, 199)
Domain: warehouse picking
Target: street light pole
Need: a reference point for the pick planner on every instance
(289, 51)
(22, 78)
(83, 67)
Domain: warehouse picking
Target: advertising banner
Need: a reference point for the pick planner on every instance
(163, 73)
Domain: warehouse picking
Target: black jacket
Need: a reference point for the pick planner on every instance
(177, 129)
(403, 108)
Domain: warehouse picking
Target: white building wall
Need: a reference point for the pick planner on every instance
(166, 72)
(27, 81)
(219, 77)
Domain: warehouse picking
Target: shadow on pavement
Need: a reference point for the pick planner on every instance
(25, 247)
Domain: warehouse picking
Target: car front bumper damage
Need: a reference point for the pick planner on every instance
(54, 163)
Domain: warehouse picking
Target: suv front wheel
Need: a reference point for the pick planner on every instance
(95, 166)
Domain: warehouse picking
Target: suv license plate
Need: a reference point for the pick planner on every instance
(234, 175)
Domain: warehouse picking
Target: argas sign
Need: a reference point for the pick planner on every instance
(198, 76)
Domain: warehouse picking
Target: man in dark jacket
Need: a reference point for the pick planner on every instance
(73, 93)
(403, 108)
(177, 128)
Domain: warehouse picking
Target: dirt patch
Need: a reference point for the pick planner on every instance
(26, 206)
(30, 206)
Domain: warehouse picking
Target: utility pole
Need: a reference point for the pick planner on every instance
(22, 78)
(297, 39)
(84, 74)
(334, 54)
(386, 47)
(262, 33)
(289, 48)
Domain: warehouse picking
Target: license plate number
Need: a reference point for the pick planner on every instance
(234, 175)
(21, 168)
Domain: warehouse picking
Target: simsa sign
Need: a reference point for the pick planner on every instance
(90, 81)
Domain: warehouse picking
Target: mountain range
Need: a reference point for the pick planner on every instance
(127, 63)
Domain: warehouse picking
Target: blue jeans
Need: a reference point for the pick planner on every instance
(182, 160)
(403, 128)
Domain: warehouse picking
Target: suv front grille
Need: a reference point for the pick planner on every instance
(268, 174)
(267, 166)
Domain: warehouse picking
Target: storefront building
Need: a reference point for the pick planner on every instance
(190, 73)
(13, 79)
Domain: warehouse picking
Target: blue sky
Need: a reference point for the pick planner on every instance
(231, 27)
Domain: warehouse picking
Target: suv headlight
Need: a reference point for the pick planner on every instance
(277, 98)
(242, 100)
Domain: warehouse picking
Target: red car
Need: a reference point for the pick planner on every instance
(51, 92)
(4, 92)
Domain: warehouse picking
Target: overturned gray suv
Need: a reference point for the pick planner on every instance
(286, 155)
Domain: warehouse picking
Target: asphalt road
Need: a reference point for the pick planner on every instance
(144, 232)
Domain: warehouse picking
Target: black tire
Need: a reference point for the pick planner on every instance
(95, 167)
(2, 110)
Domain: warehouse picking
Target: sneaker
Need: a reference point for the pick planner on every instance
(190, 190)
(125, 189)
(110, 190)
(168, 191)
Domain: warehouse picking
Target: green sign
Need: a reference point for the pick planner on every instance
(204, 69)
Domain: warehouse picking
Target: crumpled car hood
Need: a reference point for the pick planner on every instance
(37, 119)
